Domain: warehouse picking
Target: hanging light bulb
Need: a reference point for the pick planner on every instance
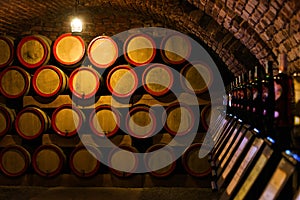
(76, 23)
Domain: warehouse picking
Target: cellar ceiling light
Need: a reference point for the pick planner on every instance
(76, 23)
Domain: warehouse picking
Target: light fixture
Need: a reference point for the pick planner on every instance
(76, 23)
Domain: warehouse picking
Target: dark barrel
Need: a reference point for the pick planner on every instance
(49, 81)
(7, 51)
(14, 82)
(48, 160)
(34, 51)
(31, 122)
(14, 160)
(84, 161)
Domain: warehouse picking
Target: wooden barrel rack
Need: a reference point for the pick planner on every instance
(55, 154)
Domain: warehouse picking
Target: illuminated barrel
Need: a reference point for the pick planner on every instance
(122, 81)
(7, 119)
(67, 120)
(196, 77)
(158, 79)
(195, 166)
(48, 160)
(85, 161)
(123, 161)
(31, 122)
(141, 121)
(14, 160)
(85, 82)
(158, 155)
(105, 120)
(14, 82)
(69, 50)
(139, 49)
(7, 51)
(34, 51)
(102, 51)
(175, 49)
(49, 81)
(180, 119)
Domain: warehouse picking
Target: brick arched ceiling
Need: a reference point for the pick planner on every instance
(240, 33)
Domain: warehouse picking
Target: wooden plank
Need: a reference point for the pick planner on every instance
(108, 180)
(176, 180)
(60, 141)
(109, 100)
(10, 140)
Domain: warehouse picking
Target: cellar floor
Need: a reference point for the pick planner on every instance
(106, 193)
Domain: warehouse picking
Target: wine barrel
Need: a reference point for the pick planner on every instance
(69, 50)
(103, 51)
(122, 81)
(34, 51)
(141, 121)
(123, 158)
(154, 160)
(14, 82)
(85, 161)
(179, 119)
(139, 49)
(67, 120)
(196, 77)
(48, 160)
(175, 49)
(195, 166)
(14, 160)
(105, 120)
(85, 82)
(7, 119)
(205, 116)
(7, 51)
(157, 79)
(31, 122)
(49, 81)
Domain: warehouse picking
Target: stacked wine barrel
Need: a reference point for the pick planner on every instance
(56, 89)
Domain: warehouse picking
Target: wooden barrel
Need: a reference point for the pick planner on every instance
(67, 120)
(31, 122)
(103, 51)
(84, 161)
(14, 160)
(123, 158)
(105, 120)
(7, 119)
(175, 49)
(196, 77)
(157, 79)
(139, 49)
(48, 160)
(69, 50)
(7, 51)
(34, 51)
(122, 81)
(49, 81)
(153, 160)
(14, 82)
(205, 116)
(141, 121)
(85, 82)
(195, 166)
(179, 119)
